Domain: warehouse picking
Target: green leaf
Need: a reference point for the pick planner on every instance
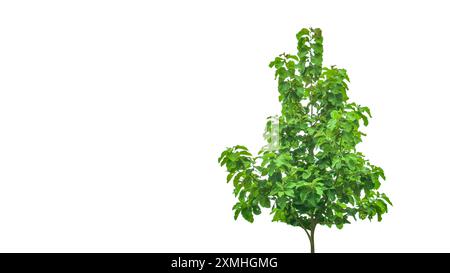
(304, 195)
(379, 218)
(236, 213)
(283, 160)
(265, 202)
(290, 65)
(290, 193)
(229, 176)
(385, 198)
(244, 153)
(365, 120)
(306, 174)
(303, 32)
(381, 206)
(240, 147)
(319, 191)
(335, 115)
(281, 202)
(247, 214)
(237, 210)
(300, 91)
(237, 178)
(223, 155)
(367, 110)
(256, 210)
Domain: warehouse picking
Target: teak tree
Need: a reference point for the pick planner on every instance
(313, 175)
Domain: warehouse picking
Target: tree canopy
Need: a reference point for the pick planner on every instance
(310, 173)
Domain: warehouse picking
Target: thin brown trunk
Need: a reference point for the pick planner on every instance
(311, 240)
(311, 236)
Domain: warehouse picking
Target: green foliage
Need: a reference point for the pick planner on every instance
(316, 175)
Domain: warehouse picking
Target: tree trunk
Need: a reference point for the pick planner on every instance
(311, 235)
(311, 241)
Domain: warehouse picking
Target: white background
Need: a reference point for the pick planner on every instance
(113, 114)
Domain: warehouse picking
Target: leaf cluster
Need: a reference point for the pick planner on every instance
(316, 175)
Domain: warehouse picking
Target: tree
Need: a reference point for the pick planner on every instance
(310, 173)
